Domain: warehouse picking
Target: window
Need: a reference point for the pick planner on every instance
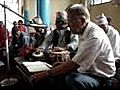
(94, 2)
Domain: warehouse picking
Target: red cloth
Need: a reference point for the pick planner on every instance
(22, 28)
(3, 37)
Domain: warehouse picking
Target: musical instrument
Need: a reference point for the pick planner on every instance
(60, 56)
(38, 55)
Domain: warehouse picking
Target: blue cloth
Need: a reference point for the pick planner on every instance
(83, 81)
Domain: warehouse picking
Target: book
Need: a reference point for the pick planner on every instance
(36, 66)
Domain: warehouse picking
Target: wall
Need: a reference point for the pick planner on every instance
(59, 5)
(109, 10)
(33, 8)
(55, 5)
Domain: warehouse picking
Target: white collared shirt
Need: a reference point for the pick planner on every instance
(95, 53)
(114, 38)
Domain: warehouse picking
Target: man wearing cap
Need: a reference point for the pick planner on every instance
(112, 34)
(61, 38)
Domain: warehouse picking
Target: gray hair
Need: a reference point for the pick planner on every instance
(61, 16)
(62, 13)
(79, 10)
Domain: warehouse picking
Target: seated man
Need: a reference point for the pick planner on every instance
(112, 34)
(61, 38)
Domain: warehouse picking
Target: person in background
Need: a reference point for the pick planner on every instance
(61, 38)
(32, 40)
(3, 35)
(21, 26)
(3, 39)
(2, 43)
(26, 51)
(94, 61)
(23, 34)
(112, 34)
(40, 31)
(15, 36)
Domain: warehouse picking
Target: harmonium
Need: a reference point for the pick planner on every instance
(27, 68)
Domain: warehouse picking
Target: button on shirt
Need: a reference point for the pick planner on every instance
(95, 53)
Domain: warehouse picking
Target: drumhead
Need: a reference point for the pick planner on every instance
(37, 54)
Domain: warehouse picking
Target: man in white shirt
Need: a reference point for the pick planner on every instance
(112, 34)
(94, 60)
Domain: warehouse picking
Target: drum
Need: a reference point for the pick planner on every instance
(38, 56)
(61, 56)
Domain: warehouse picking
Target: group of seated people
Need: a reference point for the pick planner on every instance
(24, 36)
(94, 48)
(59, 39)
(93, 65)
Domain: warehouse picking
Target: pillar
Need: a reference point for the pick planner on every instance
(26, 11)
(45, 11)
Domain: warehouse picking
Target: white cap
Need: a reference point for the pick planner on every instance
(101, 19)
(38, 20)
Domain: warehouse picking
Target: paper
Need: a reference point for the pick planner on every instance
(37, 66)
(1, 63)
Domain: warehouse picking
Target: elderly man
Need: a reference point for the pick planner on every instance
(61, 38)
(112, 34)
(94, 60)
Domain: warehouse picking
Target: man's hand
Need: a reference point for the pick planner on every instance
(38, 77)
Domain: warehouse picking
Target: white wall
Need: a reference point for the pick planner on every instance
(33, 8)
(60, 5)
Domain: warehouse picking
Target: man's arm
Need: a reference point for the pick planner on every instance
(47, 42)
(74, 41)
(62, 69)
(88, 53)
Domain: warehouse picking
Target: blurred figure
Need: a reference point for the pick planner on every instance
(32, 33)
(15, 35)
(26, 51)
(3, 35)
(21, 26)
(23, 34)
(40, 32)
(112, 34)
(3, 39)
